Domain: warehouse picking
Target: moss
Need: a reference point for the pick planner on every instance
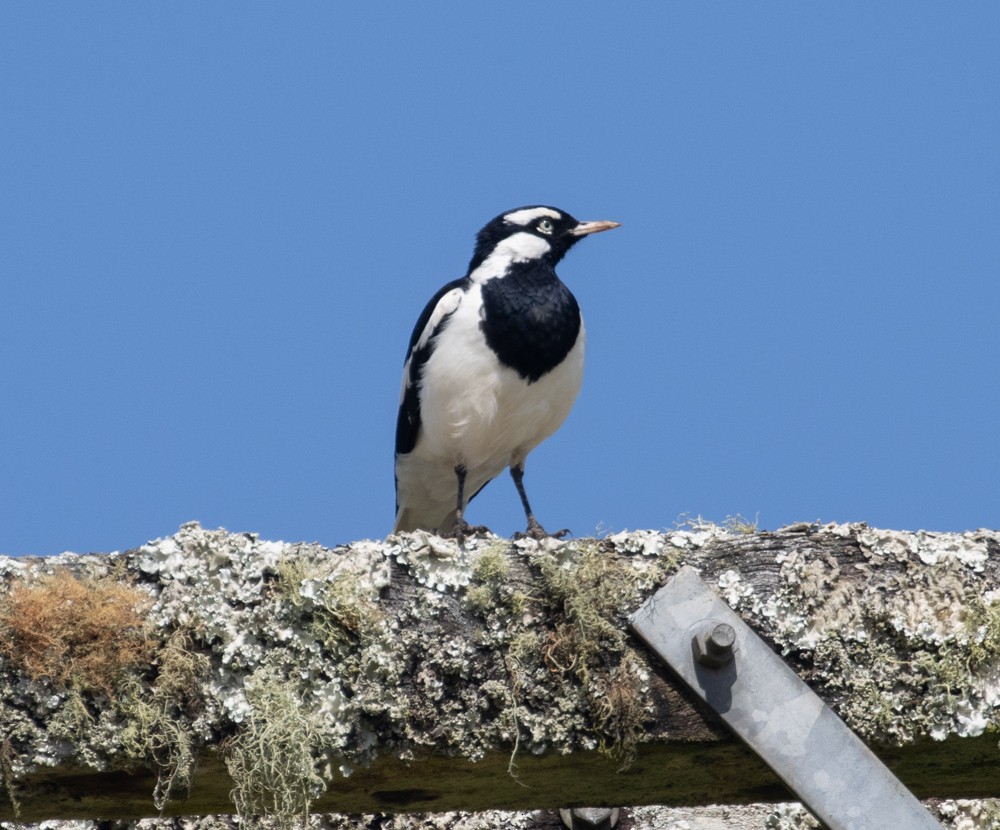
(609, 668)
(491, 590)
(619, 709)
(292, 572)
(337, 607)
(492, 566)
(490, 573)
(525, 648)
(87, 639)
(79, 633)
(902, 650)
(573, 677)
(589, 594)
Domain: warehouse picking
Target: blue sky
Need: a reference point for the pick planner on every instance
(219, 221)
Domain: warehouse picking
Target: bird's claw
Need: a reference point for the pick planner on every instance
(537, 532)
(461, 530)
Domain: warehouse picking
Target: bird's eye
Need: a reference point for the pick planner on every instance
(545, 226)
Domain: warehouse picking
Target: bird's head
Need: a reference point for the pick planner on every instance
(536, 232)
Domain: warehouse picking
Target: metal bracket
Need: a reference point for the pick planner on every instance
(763, 701)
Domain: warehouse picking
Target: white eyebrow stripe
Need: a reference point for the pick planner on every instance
(526, 216)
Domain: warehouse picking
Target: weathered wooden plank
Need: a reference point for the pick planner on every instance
(421, 670)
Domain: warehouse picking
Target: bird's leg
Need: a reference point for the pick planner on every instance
(535, 530)
(461, 528)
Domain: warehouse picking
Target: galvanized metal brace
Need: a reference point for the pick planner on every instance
(763, 701)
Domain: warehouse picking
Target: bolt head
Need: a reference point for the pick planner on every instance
(714, 643)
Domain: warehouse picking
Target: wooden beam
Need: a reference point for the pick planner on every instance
(410, 675)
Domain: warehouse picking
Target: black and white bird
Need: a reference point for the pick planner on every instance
(494, 365)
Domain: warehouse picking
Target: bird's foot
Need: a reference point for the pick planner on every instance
(537, 532)
(462, 530)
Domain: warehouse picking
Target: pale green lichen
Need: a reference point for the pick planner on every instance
(739, 524)
(954, 815)
(158, 718)
(969, 549)
(790, 817)
(273, 759)
(691, 532)
(586, 593)
(966, 814)
(903, 639)
(338, 607)
(441, 564)
(905, 642)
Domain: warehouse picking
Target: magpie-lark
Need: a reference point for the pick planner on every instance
(494, 365)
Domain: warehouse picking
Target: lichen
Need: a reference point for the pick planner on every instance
(692, 532)
(580, 663)
(337, 604)
(518, 646)
(790, 817)
(441, 564)
(273, 759)
(966, 814)
(158, 717)
(740, 524)
(954, 815)
(904, 641)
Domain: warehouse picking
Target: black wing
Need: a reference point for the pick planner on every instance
(408, 422)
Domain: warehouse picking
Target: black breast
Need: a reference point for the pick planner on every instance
(530, 319)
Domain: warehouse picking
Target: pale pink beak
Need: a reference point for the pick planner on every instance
(585, 228)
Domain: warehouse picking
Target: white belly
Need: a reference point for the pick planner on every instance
(478, 413)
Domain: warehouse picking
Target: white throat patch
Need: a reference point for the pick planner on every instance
(523, 246)
(518, 247)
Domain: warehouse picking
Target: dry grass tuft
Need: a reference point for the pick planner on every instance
(79, 633)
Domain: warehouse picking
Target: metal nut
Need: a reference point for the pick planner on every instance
(590, 818)
(714, 643)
